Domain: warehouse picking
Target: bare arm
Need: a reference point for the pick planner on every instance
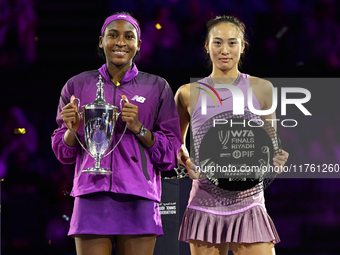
(185, 108)
(182, 100)
(263, 91)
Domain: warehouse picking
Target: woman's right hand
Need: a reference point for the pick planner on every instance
(193, 173)
(71, 115)
(185, 160)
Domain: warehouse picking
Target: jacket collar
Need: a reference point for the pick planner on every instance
(129, 75)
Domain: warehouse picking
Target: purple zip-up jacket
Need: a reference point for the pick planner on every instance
(135, 169)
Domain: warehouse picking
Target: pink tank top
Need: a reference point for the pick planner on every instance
(200, 198)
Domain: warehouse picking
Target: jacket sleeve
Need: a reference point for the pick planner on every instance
(163, 153)
(64, 153)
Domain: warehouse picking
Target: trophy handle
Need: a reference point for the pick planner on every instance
(120, 104)
(76, 98)
(75, 134)
(117, 142)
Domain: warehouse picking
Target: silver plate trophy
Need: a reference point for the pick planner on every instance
(99, 120)
(235, 159)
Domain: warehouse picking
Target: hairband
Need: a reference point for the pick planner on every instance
(123, 17)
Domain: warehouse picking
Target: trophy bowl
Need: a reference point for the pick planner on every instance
(99, 123)
(99, 120)
(234, 154)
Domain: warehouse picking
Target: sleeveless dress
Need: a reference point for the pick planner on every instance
(215, 220)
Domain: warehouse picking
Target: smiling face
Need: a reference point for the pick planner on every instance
(120, 43)
(225, 44)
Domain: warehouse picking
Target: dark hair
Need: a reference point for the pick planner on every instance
(227, 19)
(100, 51)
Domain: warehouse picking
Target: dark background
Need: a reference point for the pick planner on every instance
(44, 43)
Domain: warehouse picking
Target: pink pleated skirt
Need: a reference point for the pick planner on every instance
(251, 226)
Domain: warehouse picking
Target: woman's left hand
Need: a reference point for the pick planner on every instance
(280, 160)
(130, 116)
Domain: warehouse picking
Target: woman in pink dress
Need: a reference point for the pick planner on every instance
(213, 227)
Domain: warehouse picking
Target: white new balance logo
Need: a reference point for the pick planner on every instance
(138, 99)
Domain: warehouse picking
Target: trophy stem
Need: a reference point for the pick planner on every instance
(97, 169)
(97, 159)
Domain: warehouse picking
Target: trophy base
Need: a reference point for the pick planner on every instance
(93, 170)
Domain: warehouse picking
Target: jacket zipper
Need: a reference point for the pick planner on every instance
(114, 101)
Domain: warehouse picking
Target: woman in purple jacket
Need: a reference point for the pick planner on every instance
(121, 209)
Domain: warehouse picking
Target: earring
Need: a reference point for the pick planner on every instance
(241, 52)
(207, 52)
(100, 46)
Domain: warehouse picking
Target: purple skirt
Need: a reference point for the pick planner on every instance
(108, 213)
(251, 226)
